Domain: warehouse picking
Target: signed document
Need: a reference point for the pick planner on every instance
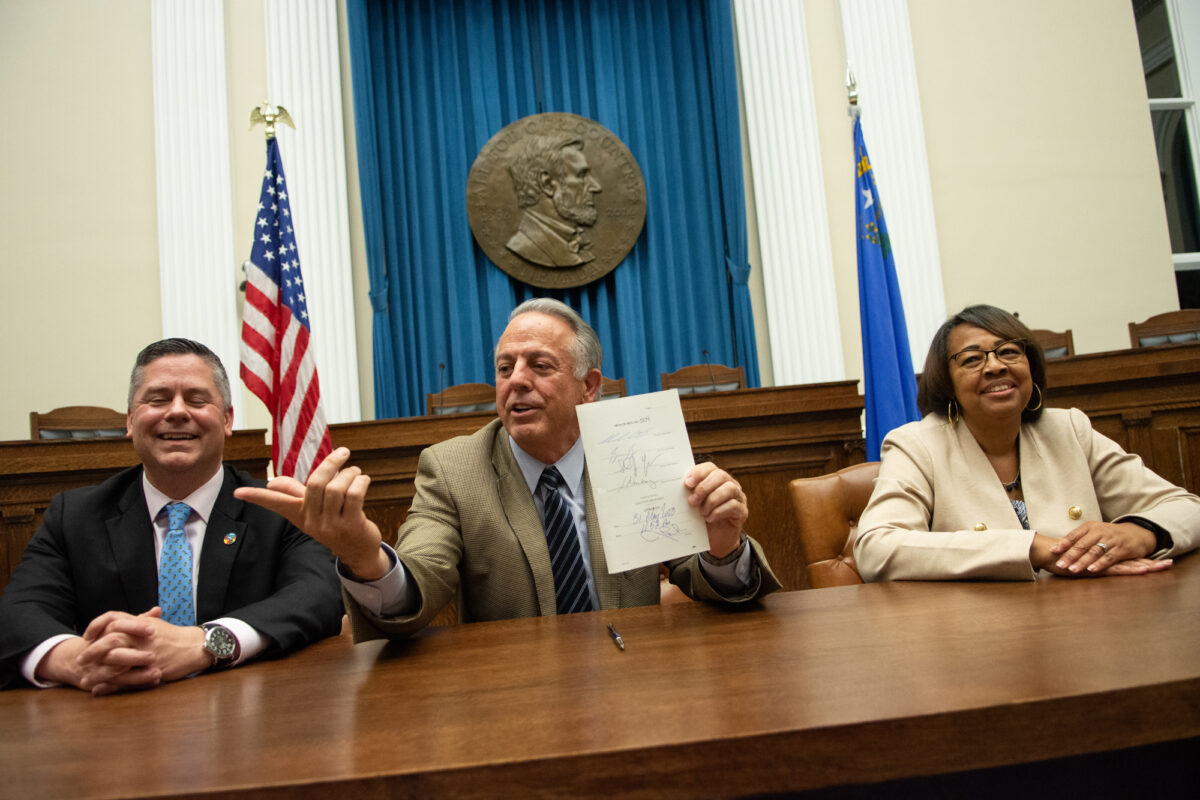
(638, 453)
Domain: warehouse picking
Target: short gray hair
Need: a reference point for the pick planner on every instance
(179, 347)
(585, 346)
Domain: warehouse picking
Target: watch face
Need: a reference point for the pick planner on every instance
(220, 642)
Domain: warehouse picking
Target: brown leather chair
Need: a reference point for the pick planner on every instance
(1055, 344)
(827, 511)
(77, 422)
(464, 398)
(612, 387)
(705, 378)
(1172, 327)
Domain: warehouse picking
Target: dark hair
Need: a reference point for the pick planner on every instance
(935, 390)
(179, 347)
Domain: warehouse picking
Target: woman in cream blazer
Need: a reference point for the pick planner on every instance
(992, 485)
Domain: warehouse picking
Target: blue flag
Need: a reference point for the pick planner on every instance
(890, 385)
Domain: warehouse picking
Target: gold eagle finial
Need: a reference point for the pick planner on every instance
(269, 115)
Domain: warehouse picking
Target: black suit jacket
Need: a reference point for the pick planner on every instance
(95, 553)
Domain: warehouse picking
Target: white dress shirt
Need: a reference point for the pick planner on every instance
(201, 502)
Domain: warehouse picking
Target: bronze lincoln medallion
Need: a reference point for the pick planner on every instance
(556, 200)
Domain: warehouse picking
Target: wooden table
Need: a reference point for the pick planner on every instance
(811, 689)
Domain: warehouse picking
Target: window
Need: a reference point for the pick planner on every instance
(1168, 35)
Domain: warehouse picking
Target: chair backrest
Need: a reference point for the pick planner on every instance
(611, 388)
(1169, 328)
(1055, 344)
(827, 511)
(77, 422)
(705, 378)
(461, 399)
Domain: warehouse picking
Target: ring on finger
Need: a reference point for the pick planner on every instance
(1103, 547)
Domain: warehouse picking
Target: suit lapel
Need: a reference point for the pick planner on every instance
(521, 513)
(216, 556)
(608, 586)
(131, 536)
(1050, 482)
(991, 503)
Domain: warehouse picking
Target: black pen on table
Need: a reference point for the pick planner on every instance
(616, 637)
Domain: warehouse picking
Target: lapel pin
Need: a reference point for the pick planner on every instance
(230, 538)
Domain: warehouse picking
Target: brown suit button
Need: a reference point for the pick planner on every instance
(979, 526)
(1074, 512)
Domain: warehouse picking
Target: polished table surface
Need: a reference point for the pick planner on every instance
(810, 689)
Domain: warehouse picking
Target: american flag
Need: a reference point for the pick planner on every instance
(277, 364)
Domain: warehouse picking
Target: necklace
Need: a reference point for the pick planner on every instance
(1016, 482)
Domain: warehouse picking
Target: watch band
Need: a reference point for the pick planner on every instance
(221, 644)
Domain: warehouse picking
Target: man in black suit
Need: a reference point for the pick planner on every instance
(85, 607)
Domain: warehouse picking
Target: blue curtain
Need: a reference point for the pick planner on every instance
(434, 80)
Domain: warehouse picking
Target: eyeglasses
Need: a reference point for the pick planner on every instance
(972, 358)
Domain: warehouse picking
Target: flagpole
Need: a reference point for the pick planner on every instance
(852, 94)
(277, 363)
(889, 385)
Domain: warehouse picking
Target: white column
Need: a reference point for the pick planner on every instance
(198, 269)
(789, 192)
(879, 51)
(304, 76)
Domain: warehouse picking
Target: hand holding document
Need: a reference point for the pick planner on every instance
(638, 453)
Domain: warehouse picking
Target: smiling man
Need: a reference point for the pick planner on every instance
(160, 572)
(505, 516)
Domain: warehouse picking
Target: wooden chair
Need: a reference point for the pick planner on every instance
(705, 378)
(612, 387)
(464, 398)
(77, 422)
(1172, 327)
(827, 511)
(1055, 344)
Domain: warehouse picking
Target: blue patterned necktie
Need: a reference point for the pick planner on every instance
(175, 569)
(570, 577)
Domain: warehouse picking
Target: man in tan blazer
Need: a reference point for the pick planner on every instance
(476, 520)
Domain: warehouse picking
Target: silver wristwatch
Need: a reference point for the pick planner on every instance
(221, 644)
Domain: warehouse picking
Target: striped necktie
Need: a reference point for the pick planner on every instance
(175, 569)
(570, 577)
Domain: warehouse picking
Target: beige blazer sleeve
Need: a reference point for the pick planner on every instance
(938, 511)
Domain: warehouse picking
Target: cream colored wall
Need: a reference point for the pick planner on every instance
(1045, 181)
(246, 75)
(78, 212)
(363, 315)
(79, 288)
(1041, 158)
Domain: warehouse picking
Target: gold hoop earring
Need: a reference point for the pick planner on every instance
(1039, 402)
(953, 412)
